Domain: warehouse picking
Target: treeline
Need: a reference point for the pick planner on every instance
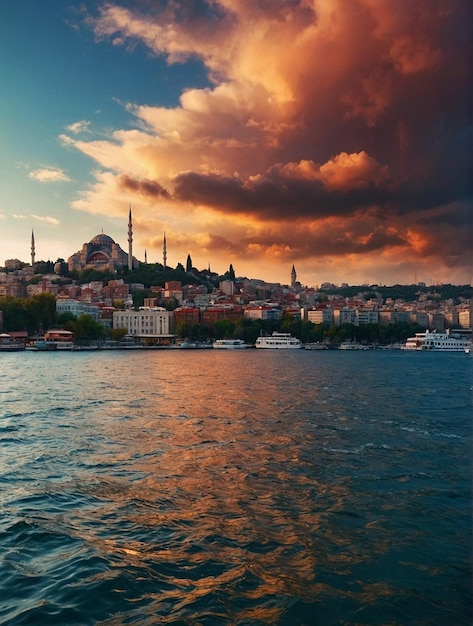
(307, 332)
(37, 314)
(34, 315)
(408, 293)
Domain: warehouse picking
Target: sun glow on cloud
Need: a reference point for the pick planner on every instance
(314, 143)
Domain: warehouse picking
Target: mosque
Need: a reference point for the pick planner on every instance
(102, 253)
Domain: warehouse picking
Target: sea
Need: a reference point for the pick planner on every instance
(249, 487)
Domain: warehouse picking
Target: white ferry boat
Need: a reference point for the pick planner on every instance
(279, 341)
(8, 345)
(352, 345)
(230, 344)
(438, 341)
(55, 340)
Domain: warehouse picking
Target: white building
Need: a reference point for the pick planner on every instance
(320, 316)
(77, 308)
(419, 317)
(149, 323)
(344, 316)
(367, 316)
(263, 313)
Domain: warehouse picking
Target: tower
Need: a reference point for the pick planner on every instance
(146, 256)
(130, 241)
(189, 264)
(32, 249)
(293, 277)
(164, 252)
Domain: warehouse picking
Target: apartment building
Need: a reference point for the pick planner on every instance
(156, 323)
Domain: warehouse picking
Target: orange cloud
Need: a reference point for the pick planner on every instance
(328, 133)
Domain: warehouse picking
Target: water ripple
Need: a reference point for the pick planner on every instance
(202, 492)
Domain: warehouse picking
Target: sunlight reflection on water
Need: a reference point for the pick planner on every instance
(217, 488)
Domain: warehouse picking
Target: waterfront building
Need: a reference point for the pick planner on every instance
(212, 314)
(147, 323)
(191, 315)
(437, 321)
(367, 316)
(420, 318)
(464, 319)
(451, 318)
(263, 313)
(320, 316)
(346, 315)
(76, 308)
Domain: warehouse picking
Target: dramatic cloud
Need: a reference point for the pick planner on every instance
(50, 175)
(335, 134)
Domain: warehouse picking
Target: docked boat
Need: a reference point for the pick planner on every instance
(194, 345)
(352, 345)
(55, 340)
(438, 341)
(230, 344)
(279, 341)
(316, 346)
(8, 345)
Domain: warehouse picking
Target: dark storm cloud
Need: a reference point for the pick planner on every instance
(144, 186)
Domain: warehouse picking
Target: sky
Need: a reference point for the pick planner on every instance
(332, 135)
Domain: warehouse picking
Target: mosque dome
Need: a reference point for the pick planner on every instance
(101, 240)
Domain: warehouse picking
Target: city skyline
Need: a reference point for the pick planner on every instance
(308, 134)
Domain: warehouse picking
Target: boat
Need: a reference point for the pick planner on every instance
(315, 346)
(229, 344)
(55, 339)
(194, 345)
(352, 345)
(438, 342)
(279, 341)
(8, 345)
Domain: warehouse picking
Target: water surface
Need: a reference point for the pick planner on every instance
(250, 487)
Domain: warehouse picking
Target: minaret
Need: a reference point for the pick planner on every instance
(189, 264)
(165, 257)
(146, 256)
(32, 249)
(293, 277)
(130, 241)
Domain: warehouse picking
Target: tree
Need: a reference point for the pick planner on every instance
(86, 328)
(41, 312)
(117, 334)
(224, 329)
(248, 330)
(182, 328)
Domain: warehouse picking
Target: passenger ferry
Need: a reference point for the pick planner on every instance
(279, 341)
(441, 342)
(55, 340)
(8, 345)
(230, 344)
